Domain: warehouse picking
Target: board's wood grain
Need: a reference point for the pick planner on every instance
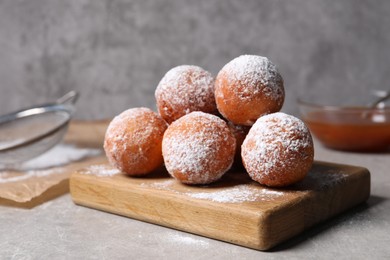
(264, 218)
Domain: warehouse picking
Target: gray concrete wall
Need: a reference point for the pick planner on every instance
(115, 52)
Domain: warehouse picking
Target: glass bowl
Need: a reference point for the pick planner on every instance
(348, 128)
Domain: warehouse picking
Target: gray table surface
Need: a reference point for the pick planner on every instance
(58, 229)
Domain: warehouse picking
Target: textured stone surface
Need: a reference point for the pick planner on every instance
(115, 52)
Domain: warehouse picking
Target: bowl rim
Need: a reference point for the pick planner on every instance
(302, 102)
(41, 110)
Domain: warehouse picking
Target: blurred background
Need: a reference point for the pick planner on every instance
(114, 52)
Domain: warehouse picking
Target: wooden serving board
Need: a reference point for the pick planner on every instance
(234, 209)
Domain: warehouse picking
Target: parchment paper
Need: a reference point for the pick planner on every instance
(28, 183)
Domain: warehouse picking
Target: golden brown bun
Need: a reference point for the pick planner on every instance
(248, 87)
(198, 148)
(278, 150)
(133, 141)
(184, 89)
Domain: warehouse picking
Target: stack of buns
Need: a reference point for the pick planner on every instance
(205, 124)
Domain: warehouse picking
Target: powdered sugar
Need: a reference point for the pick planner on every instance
(61, 154)
(100, 170)
(235, 194)
(193, 145)
(238, 194)
(187, 239)
(49, 163)
(258, 74)
(161, 185)
(6, 177)
(184, 89)
(323, 178)
(191, 152)
(275, 142)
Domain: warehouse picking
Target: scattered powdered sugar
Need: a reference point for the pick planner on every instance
(192, 147)
(324, 178)
(331, 178)
(184, 89)
(237, 194)
(100, 170)
(276, 141)
(48, 163)
(61, 154)
(188, 240)
(258, 74)
(6, 177)
(162, 185)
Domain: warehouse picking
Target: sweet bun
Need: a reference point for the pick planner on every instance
(185, 89)
(133, 141)
(278, 150)
(248, 87)
(198, 148)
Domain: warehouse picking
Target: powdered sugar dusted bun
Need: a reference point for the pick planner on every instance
(184, 89)
(133, 141)
(278, 150)
(198, 148)
(248, 87)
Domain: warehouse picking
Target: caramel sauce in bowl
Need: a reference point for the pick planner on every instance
(358, 129)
